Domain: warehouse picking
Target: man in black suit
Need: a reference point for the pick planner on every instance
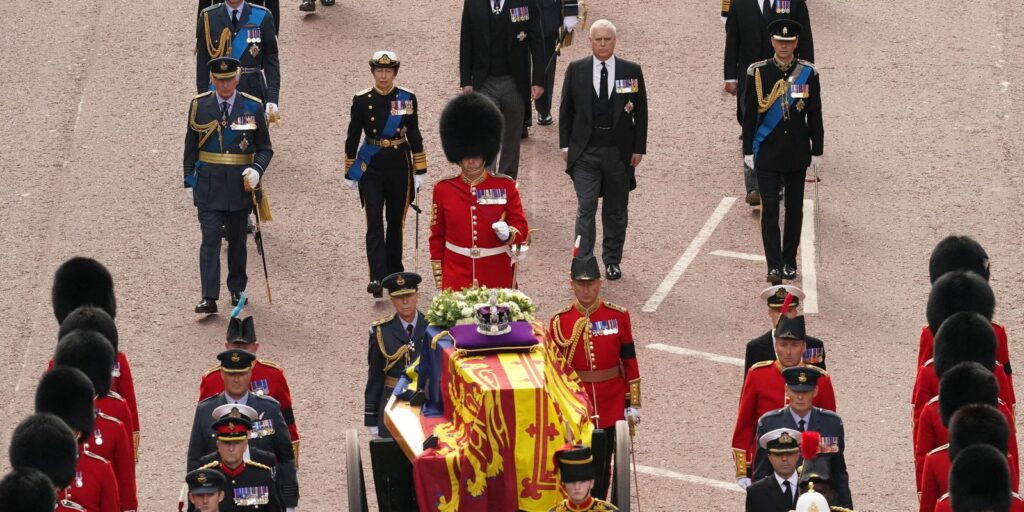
(747, 41)
(602, 130)
(777, 492)
(500, 39)
(557, 17)
(395, 342)
(782, 135)
(762, 348)
(801, 415)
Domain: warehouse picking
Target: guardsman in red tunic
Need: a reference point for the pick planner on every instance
(267, 378)
(44, 443)
(979, 479)
(82, 291)
(27, 490)
(970, 425)
(765, 390)
(68, 394)
(478, 228)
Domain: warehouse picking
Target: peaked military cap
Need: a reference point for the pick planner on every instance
(241, 330)
(785, 29)
(82, 282)
(585, 269)
(224, 68)
(575, 464)
(236, 360)
(384, 59)
(780, 440)
(204, 481)
(791, 328)
(801, 378)
(401, 283)
(235, 411)
(232, 428)
(775, 296)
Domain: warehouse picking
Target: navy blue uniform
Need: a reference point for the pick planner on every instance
(252, 41)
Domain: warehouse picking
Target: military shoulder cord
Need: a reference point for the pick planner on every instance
(577, 331)
(778, 90)
(224, 47)
(204, 129)
(392, 359)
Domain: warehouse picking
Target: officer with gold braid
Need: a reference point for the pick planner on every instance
(781, 140)
(247, 33)
(227, 151)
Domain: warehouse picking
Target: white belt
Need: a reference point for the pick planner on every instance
(476, 252)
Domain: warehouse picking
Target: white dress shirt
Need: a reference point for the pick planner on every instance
(405, 325)
(792, 483)
(610, 64)
(240, 9)
(490, 5)
(797, 418)
(240, 401)
(760, 4)
(231, 104)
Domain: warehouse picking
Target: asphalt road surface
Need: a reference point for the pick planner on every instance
(923, 117)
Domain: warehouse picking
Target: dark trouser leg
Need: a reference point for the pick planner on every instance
(615, 206)
(396, 200)
(749, 179)
(768, 183)
(505, 94)
(586, 179)
(794, 215)
(603, 479)
(372, 187)
(234, 224)
(543, 103)
(210, 223)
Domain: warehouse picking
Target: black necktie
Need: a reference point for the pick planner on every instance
(604, 83)
(766, 9)
(801, 425)
(788, 492)
(234, 17)
(224, 113)
(497, 6)
(408, 329)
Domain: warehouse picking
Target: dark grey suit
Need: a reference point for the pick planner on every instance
(824, 422)
(765, 495)
(599, 163)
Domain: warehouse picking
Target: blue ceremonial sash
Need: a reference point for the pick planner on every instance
(366, 151)
(239, 44)
(772, 117)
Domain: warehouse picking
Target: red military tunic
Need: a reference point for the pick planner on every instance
(598, 344)
(267, 380)
(926, 350)
(460, 227)
(931, 434)
(94, 486)
(926, 387)
(764, 390)
(110, 440)
(943, 505)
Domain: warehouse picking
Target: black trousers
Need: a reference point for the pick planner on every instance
(386, 195)
(600, 172)
(233, 223)
(768, 184)
(543, 103)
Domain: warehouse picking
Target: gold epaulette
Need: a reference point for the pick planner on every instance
(762, 364)
(212, 370)
(381, 321)
(750, 70)
(256, 465)
(615, 307)
(251, 97)
(564, 310)
(200, 95)
(807, 64)
(100, 414)
(364, 91)
(837, 508)
(269, 364)
(602, 506)
(939, 449)
(93, 455)
(211, 465)
(500, 175)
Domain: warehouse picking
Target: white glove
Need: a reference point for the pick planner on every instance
(352, 185)
(375, 432)
(501, 229)
(743, 483)
(570, 22)
(251, 176)
(748, 160)
(289, 509)
(188, 192)
(417, 181)
(816, 165)
(633, 412)
(272, 109)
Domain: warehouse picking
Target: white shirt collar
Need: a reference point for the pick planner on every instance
(240, 8)
(797, 418)
(760, 4)
(610, 64)
(792, 482)
(230, 101)
(405, 325)
(242, 401)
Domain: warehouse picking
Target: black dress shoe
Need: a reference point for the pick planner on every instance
(207, 306)
(753, 198)
(307, 5)
(236, 297)
(375, 289)
(789, 272)
(613, 272)
(526, 132)
(545, 119)
(327, 3)
(774, 276)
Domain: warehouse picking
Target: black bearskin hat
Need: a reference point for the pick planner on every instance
(471, 126)
(27, 490)
(68, 394)
(45, 443)
(965, 384)
(979, 479)
(79, 282)
(965, 336)
(978, 424)
(958, 253)
(90, 318)
(959, 291)
(90, 352)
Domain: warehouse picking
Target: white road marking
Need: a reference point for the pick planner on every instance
(696, 353)
(699, 480)
(691, 252)
(809, 275)
(739, 255)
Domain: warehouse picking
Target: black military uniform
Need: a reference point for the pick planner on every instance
(225, 140)
(576, 464)
(768, 494)
(250, 485)
(826, 423)
(552, 17)
(251, 40)
(384, 166)
(762, 348)
(393, 346)
(272, 5)
(782, 137)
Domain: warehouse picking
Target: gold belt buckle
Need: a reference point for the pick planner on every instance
(474, 253)
(386, 143)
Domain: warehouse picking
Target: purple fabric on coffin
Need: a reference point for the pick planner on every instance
(466, 337)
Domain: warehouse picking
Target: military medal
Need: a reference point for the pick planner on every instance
(259, 387)
(491, 196)
(629, 107)
(254, 50)
(98, 436)
(244, 143)
(800, 91)
(117, 370)
(248, 36)
(800, 108)
(520, 14)
(78, 479)
(829, 444)
(627, 86)
(604, 327)
(402, 107)
(521, 36)
(782, 6)
(811, 355)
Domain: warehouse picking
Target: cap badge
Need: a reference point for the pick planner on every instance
(802, 378)
(223, 66)
(785, 31)
(384, 60)
(235, 358)
(234, 413)
(400, 281)
(786, 439)
(201, 478)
